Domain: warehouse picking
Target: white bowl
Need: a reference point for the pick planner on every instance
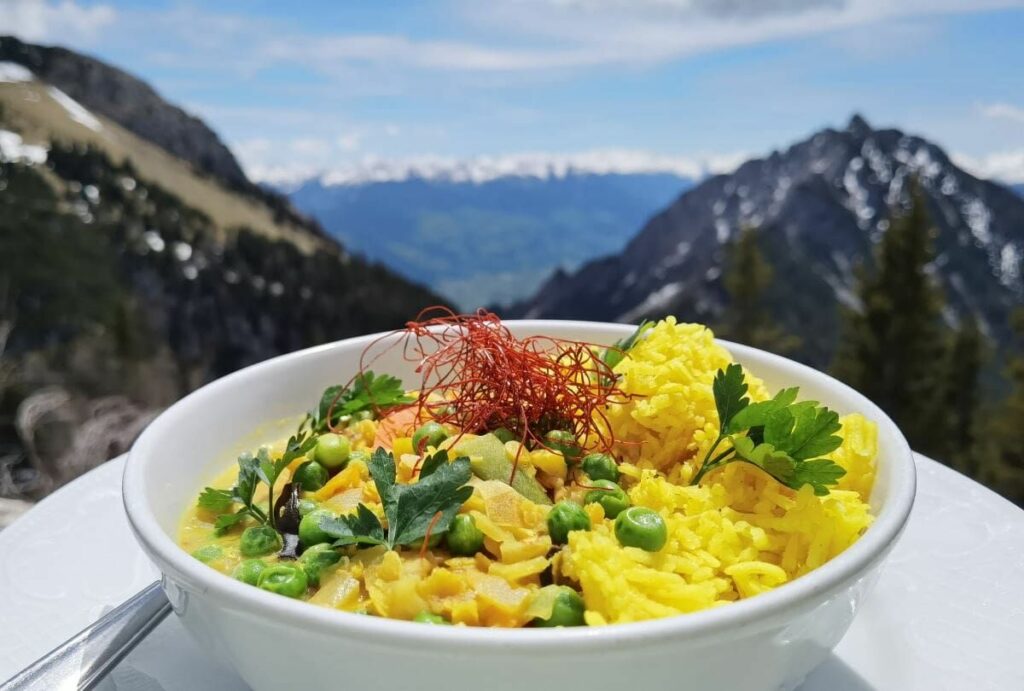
(767, 642)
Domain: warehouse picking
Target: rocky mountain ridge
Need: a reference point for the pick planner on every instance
(820, 205)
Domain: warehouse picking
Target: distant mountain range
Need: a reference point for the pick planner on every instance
(138, 262)
(820, 206)
(482, 236)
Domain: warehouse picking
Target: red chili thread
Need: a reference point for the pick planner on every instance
(476, 375)
(426, 537)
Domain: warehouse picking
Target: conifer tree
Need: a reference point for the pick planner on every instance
(892, 348)
(963, 394)
(747, 277)
(999, 448)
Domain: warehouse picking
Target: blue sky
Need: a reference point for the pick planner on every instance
(296, 88)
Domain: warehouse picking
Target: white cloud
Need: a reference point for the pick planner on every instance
(605, 32)
(1002, 111)
(484, 168)
(350, 141)
(1006, 166)
(528, 36)
(64, 22)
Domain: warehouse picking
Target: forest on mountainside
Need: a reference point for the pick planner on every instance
(956, 395)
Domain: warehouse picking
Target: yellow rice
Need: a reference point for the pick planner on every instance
(739, 533)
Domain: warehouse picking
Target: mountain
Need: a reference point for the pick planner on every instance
(130, 102)
(490, 240)
(820, 205)
(1018, 188)
(130, 275)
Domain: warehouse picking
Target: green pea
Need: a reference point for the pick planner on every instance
(311, 476)
(309, 528)
(429, 434)
(567, 610)
(258, 540)
(564, 518)
(316, 560)
(610, 496)
(249, 571)
(307, 506)
(641, 527)
(208, 553)
(464, 538)
(505, 435)
(565, 443)
(284, 579)
(332, 450)
(600, 466)
(425, 617)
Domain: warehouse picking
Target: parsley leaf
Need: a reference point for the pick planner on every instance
(730, 389)
(368, 391)
(216, 499)
(410, 510)
(251, 471)
(783, 437)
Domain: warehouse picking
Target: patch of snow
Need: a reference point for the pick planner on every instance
(92, 193)
(1010, 265)
(718, 208)
(483, 169)
(846, 297)
(923, 163)
(128, 184)
(876, 160)
(949, 186)
(154, 241)
(858, 196)
(978, 219)
(630, 279)
(712, 273)
(190, 272)
(677, 257)
(13, 149)
(657, 300)
(277, 289)
(182, 251)
(231, 277)
(722, 230)
(13, 73)
(75, 109)
(781, 187)
(892, 198)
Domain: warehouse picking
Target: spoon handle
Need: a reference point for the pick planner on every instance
(81, 662)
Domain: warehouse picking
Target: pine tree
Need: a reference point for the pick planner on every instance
(999, 448)
(892, 348)
(747, 278)
(963, 392)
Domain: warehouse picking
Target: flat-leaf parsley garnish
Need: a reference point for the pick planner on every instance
(411, 511)
(368, 392)
(783, 437)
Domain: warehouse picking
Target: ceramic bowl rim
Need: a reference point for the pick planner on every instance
(807, 591)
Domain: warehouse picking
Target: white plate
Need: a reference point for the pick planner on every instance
(948, 612)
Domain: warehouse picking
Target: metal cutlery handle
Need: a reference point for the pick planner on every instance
(82, 661)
